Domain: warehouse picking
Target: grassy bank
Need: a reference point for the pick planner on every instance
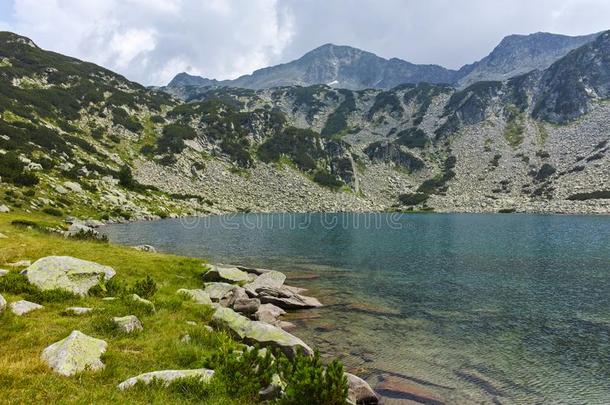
(24, 378)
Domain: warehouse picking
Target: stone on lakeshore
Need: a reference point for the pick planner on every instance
(2, 303)
(238, 293)
(77, 310)
(78, 352)
(67, 273)
(78, 229)
(4, 209)
(218, 273)
(128, 324)
(270, 279)
(142, 301)
(166, 377)
(22, 307)
(294, 290)
(268, 313)
(145, 248)
(246, 306)
(93, 223)
(197, 295)
(3, 272)
(216, 291)
(286, 299)
(253, 270)
(259, 333)
(360, 392)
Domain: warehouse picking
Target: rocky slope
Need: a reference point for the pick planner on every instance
(76, 137)
(351, 68)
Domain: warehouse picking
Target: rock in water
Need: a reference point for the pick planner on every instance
(128, 324)
(360, 392)
(261, 333)
(2, 303)
(286, 299)
(167, 376)
(226, 274)
(23, 307)
(199, 296)
(78, 352)
(270, 279)
(67, 273)
(269, 313)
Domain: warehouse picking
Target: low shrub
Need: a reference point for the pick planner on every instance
(145, 288)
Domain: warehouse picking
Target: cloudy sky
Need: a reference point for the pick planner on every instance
(149, 41)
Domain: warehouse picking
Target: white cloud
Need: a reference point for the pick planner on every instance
(152, 40)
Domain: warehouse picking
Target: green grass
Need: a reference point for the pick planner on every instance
(26, 379)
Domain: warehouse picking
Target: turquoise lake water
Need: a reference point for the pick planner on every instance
(438, 308)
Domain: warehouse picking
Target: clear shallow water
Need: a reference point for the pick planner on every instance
(452, 308)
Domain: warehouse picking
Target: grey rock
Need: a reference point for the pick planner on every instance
(143, 301)
(197, 295)
(2, 303)
(259, 333)
(128, 324)
(218, 273)
(145, 248)
(360, 392)
(67, 273)
(217, 291)
(4, 209)
(268, 313)
(238, 293)
(270, 279)
(77, 310)
(74, 354)
(23, 307)
(166, 376)
(246, 306)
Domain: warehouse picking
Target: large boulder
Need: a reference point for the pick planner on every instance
(286, 299)
(197, 295)
(217, 291)
(22, 307)
(218, 273)
(236, 294)
(166, 377)
(2, 303)
(128, 324)
(67, 273)
(270, 279)
(259, 333)
(78, 352)
(360, 392)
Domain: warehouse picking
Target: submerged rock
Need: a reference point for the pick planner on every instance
(261, 333)
(78, 352)
(67, 273)
(128, 324)
(22, 307)
(218, 273)
(166, 376)
(360, 392)
(197, 295)
(286, 299)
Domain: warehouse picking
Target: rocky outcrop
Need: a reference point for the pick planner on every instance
(259, 333)
(128, 324)
(74, 354)
(23, 307)
(67, 273)
(166, 377)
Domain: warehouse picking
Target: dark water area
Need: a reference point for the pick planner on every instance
(439, 308)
